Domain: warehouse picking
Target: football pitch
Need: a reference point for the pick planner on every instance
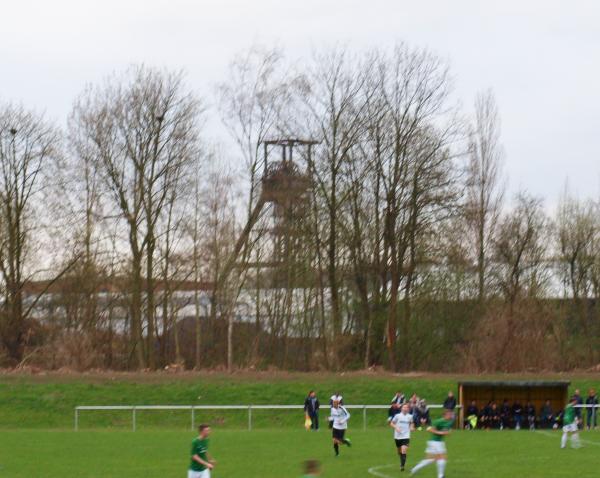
(279, 453)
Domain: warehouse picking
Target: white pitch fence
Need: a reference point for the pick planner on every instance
(193, 408)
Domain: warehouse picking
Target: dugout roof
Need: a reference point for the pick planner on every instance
(515, 383)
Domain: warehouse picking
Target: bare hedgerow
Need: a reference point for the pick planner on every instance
(507, 340)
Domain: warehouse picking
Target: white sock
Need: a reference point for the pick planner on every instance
(575, 440)
(441, 466)
(563, 440)
(422, 464)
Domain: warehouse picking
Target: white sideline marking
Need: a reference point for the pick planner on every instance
(559, 433)
(373, 470)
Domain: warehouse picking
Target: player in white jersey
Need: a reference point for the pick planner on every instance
(339, 418)
(336, 397)
(402, 423)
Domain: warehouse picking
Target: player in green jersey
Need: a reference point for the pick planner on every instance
(312, 468)
(436, 448)
(202, 462)
(570, 425)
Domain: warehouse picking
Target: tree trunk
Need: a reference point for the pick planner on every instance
(367, 362)
(136, 311)
(150, 311)
(197, 322)
(333, 289)
(230, 341)
(391, 323)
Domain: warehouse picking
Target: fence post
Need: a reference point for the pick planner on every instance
(76, 419)
(249, 417)
(133, 419)
(364, 418)
(193, 418)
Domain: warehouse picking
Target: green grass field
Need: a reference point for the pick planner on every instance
(37, 439)
(278, 454)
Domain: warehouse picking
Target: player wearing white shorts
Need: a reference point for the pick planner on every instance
(403, 424)
(202, 462)
(436, 448)
(570, 425)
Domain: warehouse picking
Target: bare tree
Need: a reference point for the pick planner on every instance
(578, 233)
(577, 227)
(254, 104)
(369, 251)
(411, 144)
(520, 250)
(485, 188)
(144, 128)
(28, 144)
(337, 104)
(361, 239)
(215, 234)
(195, 227)
(173, 271)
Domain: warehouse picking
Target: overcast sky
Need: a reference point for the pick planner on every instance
(541, 58)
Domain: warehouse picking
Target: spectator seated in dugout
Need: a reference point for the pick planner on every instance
(494, 417)
(517, 414)
(547, 417)
(484, 417)
(471, 416)
(530, 414)
(490, 416)
(558, 420)
(505, 415)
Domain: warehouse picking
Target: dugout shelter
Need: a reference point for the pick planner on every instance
(535, 391)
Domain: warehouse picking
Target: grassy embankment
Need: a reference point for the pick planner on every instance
(47, 401)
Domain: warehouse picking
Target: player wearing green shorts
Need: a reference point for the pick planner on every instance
(202, 462)
(570, 425)
(436, 448)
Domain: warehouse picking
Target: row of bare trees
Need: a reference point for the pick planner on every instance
(128, 241)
